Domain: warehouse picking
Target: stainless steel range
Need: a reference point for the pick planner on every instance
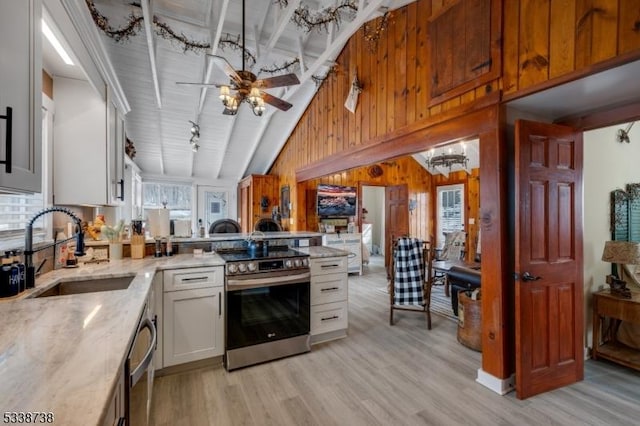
(268, 308)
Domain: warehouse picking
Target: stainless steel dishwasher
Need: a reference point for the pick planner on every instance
(139, 372)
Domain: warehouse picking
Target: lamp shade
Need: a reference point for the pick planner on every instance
(625, 252)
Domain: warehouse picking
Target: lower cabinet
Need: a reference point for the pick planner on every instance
(116, 410)
(193, 318)
(329, 298)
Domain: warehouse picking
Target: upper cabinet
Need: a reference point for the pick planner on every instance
(20, 96)
(89, 140)
(465, 47)
(88, 152)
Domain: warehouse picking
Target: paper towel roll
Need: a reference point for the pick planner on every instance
(158, 222)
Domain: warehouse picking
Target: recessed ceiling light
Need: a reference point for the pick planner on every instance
(56, 44)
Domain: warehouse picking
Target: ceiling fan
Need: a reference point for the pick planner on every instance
(246, 85)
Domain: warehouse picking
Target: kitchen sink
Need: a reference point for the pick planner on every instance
(87, 286)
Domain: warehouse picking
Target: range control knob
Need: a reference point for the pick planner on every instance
(242, 267)
(232, 268)
(252, 267)
(305, 262)
(297, 262)
(288, 263)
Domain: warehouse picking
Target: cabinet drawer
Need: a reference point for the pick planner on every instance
(191, 278)
(328, 265)
(329, 317)
(329, 288)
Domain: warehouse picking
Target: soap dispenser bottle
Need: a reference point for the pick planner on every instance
(201, 228)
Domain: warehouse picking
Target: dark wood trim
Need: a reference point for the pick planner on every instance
(498, 348)
(479, 116)
(575, 75)
(608, 116)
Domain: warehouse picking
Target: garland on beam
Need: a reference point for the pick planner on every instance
(284, 67)
(233, 43)
(318, 79)
(320, 20)
(372, 35)
(134, 25)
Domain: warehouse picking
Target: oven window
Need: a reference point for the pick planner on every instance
(265, 314)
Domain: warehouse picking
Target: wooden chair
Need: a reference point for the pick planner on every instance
(427, 256)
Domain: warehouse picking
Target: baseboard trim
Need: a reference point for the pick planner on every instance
(499, 386)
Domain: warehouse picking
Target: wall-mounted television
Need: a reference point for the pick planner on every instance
(336, 200)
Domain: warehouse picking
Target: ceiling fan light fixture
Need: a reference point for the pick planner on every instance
(225, 94)
(259, 108)
(255, 97)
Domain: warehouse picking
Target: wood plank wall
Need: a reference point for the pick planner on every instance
(554, 39)
(543, 40)
(395, 172)
(395, 77)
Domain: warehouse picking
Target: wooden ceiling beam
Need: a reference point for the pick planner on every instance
(283, 21)
(148, 20)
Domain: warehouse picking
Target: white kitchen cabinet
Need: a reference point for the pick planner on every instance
(116, 410)
(21, 92)
(329, 298)
(347, 242)
(193, 315)
(133, 191)
(88, 162)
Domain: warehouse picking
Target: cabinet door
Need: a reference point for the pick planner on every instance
(79, 153)
(193, 325)
(21, 91)
(115, 150)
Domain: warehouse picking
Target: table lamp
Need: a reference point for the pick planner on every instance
(620, 252)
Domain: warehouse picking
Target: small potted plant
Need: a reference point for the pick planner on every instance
(113, 235)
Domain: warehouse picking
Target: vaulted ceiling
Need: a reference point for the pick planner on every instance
(148, 67)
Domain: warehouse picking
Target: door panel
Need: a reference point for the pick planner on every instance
(396, 217)
(548, 216)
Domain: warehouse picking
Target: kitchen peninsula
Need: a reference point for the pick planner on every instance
(65, 355)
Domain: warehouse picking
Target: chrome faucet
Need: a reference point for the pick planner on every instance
(28, 242)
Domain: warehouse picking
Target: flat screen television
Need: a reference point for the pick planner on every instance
(336, 200)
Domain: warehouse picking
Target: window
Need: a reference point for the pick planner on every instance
(450, 210)
(176, 196)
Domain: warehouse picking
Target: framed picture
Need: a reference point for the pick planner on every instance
(284, 202)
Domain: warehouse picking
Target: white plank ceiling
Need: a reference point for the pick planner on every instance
(231, 147)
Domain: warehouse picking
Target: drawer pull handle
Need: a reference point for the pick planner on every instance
(329, 318)
(195, 279)
(333, 265)
(219, 303)
(330, 288)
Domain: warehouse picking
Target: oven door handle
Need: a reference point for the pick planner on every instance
(148, 357)
(245, 284)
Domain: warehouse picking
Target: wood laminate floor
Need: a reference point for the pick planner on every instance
(383, 375)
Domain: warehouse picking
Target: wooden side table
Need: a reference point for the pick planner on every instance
(608, 312)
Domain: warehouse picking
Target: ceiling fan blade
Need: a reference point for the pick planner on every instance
(277, 81)
(185, 83)
(228, 111)
(276, 102)
(225, 66)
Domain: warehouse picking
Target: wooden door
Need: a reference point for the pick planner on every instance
(548, 258)
(396, 222)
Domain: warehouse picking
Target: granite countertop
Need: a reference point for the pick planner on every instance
(225, 237)
(322, 251)
(64, 354)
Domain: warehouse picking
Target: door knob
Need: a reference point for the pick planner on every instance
(528, 277)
